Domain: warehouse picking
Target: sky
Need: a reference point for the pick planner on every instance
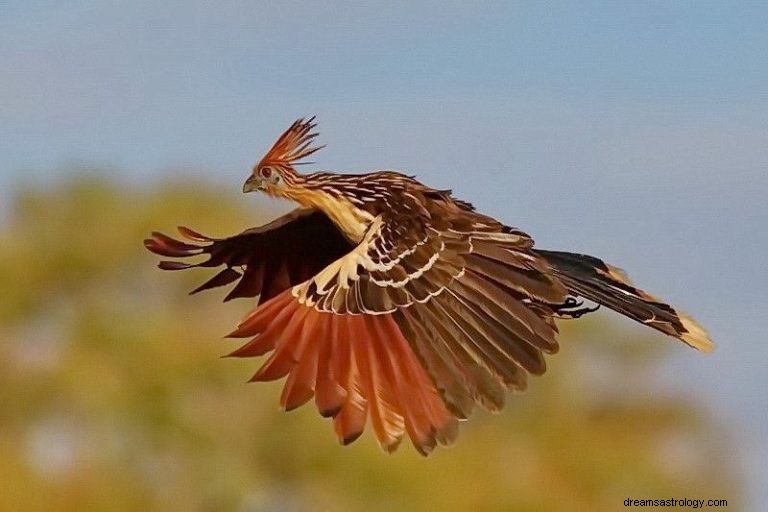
(635, 131)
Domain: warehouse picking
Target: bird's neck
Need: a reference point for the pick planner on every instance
(351, 220)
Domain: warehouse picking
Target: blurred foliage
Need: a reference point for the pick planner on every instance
(113, 397)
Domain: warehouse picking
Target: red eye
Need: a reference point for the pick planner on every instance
(266, 172)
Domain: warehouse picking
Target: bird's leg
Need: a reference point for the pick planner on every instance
(573, 308)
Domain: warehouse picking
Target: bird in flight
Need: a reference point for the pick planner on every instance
(392, 302)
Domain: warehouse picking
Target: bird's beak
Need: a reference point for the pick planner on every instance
(251, 184)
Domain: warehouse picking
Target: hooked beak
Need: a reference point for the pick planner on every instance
(252, 184)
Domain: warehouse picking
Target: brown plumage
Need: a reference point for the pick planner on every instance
(392, 302)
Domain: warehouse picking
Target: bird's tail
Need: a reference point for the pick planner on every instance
(595, 280)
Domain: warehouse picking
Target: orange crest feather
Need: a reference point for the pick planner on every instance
(293, 145)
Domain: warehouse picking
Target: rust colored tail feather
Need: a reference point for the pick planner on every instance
(359, 368)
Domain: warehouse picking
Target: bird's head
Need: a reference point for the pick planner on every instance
(275, 173)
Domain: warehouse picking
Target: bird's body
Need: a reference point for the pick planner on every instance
(389, 300)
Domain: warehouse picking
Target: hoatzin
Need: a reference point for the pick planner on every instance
(388, 300)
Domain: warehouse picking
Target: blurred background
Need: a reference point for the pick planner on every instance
(634, 131)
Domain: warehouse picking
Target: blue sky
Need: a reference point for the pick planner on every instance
(637, 131)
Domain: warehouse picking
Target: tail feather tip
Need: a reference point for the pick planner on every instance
(695, 335)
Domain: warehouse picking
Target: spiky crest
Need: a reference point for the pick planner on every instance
(293, 145)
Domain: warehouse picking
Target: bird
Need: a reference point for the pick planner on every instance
(395, 304)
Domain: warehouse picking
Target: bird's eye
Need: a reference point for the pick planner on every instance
(266, 172)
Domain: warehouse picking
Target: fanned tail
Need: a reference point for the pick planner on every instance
(595, 280)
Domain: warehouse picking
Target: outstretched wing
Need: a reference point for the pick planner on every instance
(410, 329)
(266, 260)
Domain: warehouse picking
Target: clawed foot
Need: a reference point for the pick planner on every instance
(573, 308)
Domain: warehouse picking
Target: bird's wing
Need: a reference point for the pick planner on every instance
(410, 329)
(266, 260)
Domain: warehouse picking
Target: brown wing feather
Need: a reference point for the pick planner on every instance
(467, 302)
(275, 256)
